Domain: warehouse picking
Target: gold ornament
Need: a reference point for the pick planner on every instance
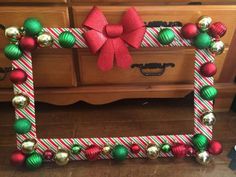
(106, 150)
(204, 23)
(28, 146)
(12, 33)
(61, 157)
(203, 158)
(45, 40)
(20, 101)
(153, 151)
(208, 118)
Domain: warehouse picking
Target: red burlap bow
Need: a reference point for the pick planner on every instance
(111, 40)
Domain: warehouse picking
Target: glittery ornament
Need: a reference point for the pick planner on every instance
(12, 32)
(208, 69)
(189, 30)
(202, 41)
(179, 150)
(165, 147)
(45, 40)
(204, 23)
(208, 92)
(20, 101)
(28, 43)
(28, 146)
(208, 118)
(215, 148)
(203, 158)
(22, 126)
(106, 150)
(61, 157)
(119, 152)
(12, 52)
(135, 148)
(200, 142)
(217, 47)
(48, 155)
(153, 151)
(92, 152)
(32, 27)
(217, 29)
(66, 39)
(166, 36)
(34, 161)
(76, 149)
(18, 76)
(17, 158)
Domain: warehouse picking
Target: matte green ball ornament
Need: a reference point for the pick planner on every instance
(166, 36)
(202, 41)
(66, 39)
(12, 52)
(76, 149)
(32, 27)
(165, 147)
(200, 142)
(119, 152)
(34, 161)
(208, 92)
(22, 126)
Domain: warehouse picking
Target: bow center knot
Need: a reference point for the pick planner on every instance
(114, 30)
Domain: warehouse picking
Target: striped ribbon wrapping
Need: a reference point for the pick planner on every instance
(150, 40)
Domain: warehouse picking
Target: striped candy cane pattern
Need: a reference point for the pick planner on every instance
(150, 40)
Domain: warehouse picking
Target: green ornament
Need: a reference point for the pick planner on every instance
(202, 41)
(166, 36)
(200, 142)
(32, 27)
(66, 39)
(34, 161)
(165, 147)
(12, 52)
(22, 126)
(119, 152)
(208, 92)
(76, 149)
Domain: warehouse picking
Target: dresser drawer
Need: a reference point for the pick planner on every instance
(181, 73)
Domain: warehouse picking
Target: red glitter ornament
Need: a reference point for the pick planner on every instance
(217, 29)
(28, 43)
(134, 148)
(208, 69)
(215, 148)
(17, 158)
(92, 152)
(18, 76)
(48, 154)
(179, 150)
(189, 30)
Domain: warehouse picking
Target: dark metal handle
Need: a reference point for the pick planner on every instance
(160, 66)
(4, 71)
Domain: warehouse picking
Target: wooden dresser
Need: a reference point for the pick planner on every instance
(65, 76)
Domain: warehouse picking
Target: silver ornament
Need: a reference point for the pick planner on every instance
(217, 47)
(12, 32)
(153, 151)
(45, 40)
(203, 158)
(61, 157)
(204, 23)
(208, 118)
(20, 101)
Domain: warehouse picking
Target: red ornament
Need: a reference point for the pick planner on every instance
(17, 158)
(28, 43)
(215, 147)
(48, 154)
(217, 29)
(190, 151)
(18, 76)
(92, 152)
(208, 69)
(135, 148)
(189, 30)
(179, 150)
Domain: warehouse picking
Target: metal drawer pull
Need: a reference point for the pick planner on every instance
(4, 71)
(160, 66)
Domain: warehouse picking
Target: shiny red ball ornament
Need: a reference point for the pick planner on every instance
(17, 158)
(18, 76)
(28, 43)
(217, 29)
(208, 69)
(92, 152)
(189, 30)
(215, 148)
(179, 150)
(48, 154)
(135, 148)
